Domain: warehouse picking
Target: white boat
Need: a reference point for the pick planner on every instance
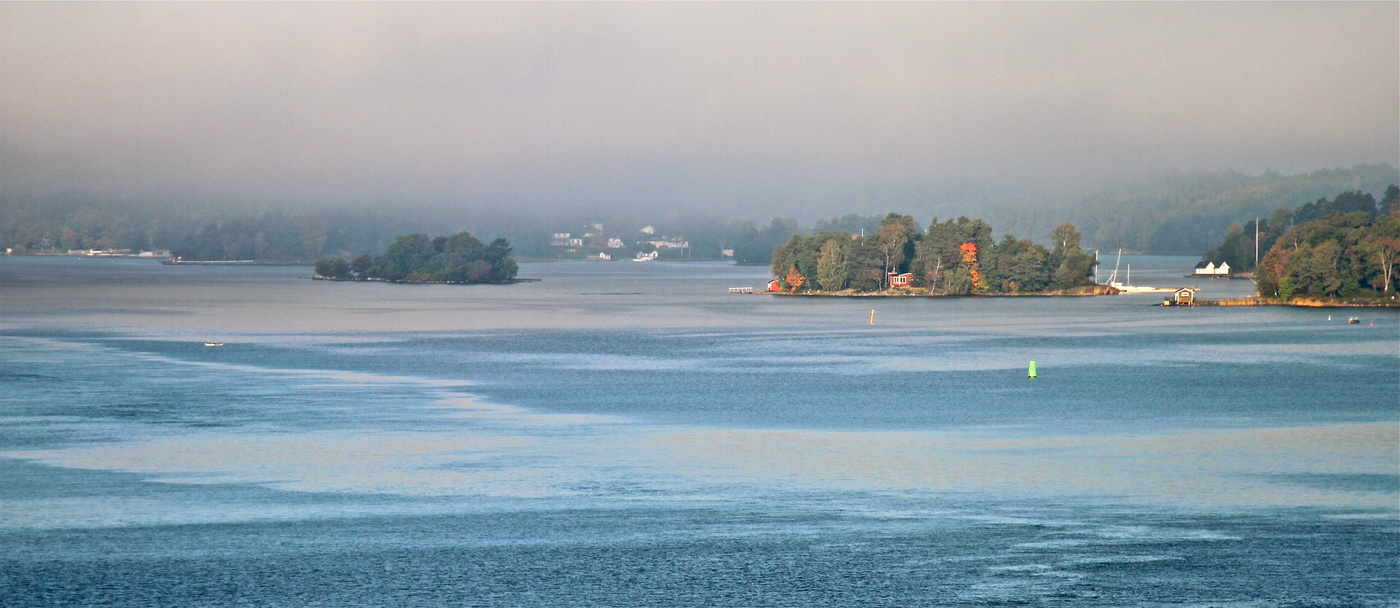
(1127, 285)
(213, 343)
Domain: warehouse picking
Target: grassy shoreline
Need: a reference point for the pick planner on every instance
(1305, 303)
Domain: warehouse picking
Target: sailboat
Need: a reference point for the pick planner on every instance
(1127, 285)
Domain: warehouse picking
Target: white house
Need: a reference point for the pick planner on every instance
(1210, 269)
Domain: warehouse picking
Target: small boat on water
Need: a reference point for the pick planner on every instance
(1354, 320)
(213, 343)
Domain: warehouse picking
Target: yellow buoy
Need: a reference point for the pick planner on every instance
(1031, 373)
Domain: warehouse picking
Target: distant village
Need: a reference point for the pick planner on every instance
(594, 243)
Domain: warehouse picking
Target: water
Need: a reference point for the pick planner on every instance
(632, 435)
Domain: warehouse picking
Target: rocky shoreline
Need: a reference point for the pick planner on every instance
(1090, 290)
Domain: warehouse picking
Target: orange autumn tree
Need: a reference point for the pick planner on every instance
(969, 259)
(795, 279)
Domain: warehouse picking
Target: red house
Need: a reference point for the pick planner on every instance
(901, 280)
(774, 285)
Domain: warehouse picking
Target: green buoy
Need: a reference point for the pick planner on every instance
(1031, 373)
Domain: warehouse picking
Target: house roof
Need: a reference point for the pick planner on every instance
(1202, 264)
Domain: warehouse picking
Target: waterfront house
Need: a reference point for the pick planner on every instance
(901, 279)
(1210, 269)
(1183, 297)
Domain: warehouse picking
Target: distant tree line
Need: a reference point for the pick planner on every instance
(57, 224)
(280, 236)
(755, 246)
(955, 257)
(1189, 212)
(459, 258)
(1167, 213)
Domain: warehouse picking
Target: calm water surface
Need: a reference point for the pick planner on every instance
(633, 435)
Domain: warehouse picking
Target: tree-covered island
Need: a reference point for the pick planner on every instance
(1345, 251)
(954, 257)
(415, 258)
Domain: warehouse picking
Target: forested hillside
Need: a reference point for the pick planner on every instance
(1185, 212)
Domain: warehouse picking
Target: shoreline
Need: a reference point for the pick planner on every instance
(1077, 292)
(1298, 303)
(317, 277)
(1101, 290)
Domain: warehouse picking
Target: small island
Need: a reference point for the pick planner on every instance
(415, 258)
(952, 258)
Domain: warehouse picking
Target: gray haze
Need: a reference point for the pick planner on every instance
(739, 108)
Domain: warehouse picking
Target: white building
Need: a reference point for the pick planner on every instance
(1211, 270)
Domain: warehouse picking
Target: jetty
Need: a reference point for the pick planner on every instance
(184, 262)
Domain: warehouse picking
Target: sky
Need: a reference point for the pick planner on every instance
(733, 107)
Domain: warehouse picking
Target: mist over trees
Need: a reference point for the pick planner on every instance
(85, 222)
(755, 246)
(1186, 212)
